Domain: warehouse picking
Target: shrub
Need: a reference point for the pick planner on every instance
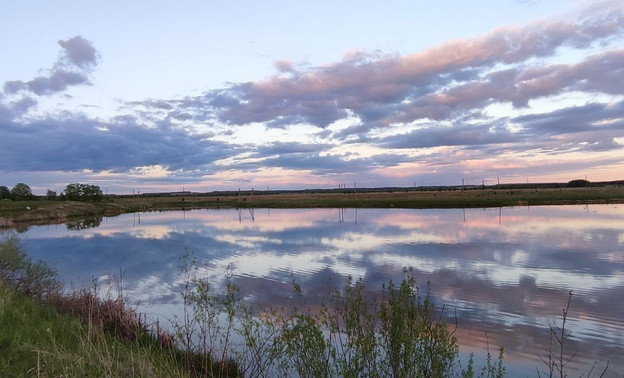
(355, 333)
(35, 279)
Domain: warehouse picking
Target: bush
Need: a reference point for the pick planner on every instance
(33, 279)
(353, 334)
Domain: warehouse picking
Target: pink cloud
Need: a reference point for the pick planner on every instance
(363, 81)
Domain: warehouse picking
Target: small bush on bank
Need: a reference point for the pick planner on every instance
(35, 279)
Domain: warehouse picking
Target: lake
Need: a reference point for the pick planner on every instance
(504, 271)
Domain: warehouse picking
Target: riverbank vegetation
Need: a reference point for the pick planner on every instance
(41, 336)
(61, 209)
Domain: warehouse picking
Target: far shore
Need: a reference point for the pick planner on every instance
(14, 214)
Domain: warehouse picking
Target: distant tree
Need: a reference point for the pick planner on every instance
(73, 192)
(83, 192)
(91, 192)
(21, 192)
(4, 193)
(51, 194)
(580, 183)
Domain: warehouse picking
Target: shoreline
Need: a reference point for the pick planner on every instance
(16, 214)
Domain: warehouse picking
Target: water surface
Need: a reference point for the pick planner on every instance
(504, 271)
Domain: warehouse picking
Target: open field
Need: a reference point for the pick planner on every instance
(15, 213)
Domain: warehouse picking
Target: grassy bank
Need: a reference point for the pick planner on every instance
(35, 340)
(46, 332)
(14, 214)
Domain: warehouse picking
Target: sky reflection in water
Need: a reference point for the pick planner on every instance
(504, 271)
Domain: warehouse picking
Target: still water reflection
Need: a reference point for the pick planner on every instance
(504, 271)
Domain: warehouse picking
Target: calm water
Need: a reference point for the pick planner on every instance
(504, 271)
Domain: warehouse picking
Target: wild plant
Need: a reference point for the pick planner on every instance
(262, 348)
(353, 336)
(558, 358)
(491, 369)
(416, 343)
(35, 279)
(306, 347)
(352, 322)
(203, 332)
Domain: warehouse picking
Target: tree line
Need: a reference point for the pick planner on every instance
(72, 192)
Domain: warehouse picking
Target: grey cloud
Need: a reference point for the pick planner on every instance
(77, 143)
(541, 38)
(180, 116)
(223, 100)
(278, 148)
(57, 82)
(587, 118)
(72, 68)
(355, 133)
(6, 114)
(13, 109)
(578, 128)
(284, 66)
(154, 104)
(23, 105)
(248, 103)
(79, 52)
(456, 135)
(602, 73)
(599, 73)
(326, 164)
(14, 86)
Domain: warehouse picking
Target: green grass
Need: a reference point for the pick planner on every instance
(45, 332)
(35, 340)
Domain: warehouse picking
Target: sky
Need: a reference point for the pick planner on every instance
(205, 95)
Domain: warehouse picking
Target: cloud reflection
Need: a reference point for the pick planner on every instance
(506, 271)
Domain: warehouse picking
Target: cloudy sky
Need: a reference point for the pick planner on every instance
(211, 95)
